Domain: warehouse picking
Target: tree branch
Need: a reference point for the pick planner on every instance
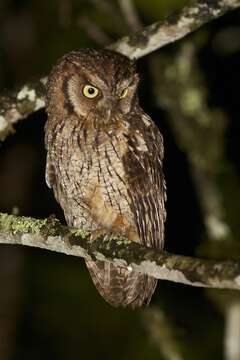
(29, 98)
(174, 27)
(49, 234)
(20, 103)
(232, 331)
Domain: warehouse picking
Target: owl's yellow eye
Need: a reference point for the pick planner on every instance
(90, 91)
(124, 93)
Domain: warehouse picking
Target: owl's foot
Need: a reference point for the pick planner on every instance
(98, 233)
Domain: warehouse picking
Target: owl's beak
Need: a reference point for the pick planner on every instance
(107, 107)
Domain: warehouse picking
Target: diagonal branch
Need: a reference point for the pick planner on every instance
(173, 28)
(29, 98)
(49, 234)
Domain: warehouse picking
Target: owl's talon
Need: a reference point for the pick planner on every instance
(97, 234)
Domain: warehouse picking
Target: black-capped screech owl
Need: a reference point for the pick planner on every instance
(104, 162)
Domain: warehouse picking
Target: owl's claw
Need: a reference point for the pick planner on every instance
(101, 232)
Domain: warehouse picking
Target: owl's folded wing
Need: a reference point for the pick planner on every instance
(146, 185)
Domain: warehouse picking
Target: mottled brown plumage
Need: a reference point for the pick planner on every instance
(104, 162)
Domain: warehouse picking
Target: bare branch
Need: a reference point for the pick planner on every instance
(49, 234)
(93, 31)
(29, 98)
(163, 333)
(232, 332)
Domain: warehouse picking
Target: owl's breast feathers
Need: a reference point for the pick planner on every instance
(112, 177)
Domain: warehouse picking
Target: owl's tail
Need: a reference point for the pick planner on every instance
(120, 286)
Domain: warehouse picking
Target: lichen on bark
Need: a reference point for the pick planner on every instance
(14, 225)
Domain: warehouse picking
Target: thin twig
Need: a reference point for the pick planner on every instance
(130, 14)
(163, 333)
(93, 31)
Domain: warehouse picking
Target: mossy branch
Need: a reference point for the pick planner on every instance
(49, 234)
(30, 97)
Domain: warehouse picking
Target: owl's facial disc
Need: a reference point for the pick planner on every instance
(82, 95)
(87, 93)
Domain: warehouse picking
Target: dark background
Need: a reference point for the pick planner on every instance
(49, 307)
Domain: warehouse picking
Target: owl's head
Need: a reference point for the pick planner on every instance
(89, 80)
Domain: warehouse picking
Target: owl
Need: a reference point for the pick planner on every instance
(104, 162)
